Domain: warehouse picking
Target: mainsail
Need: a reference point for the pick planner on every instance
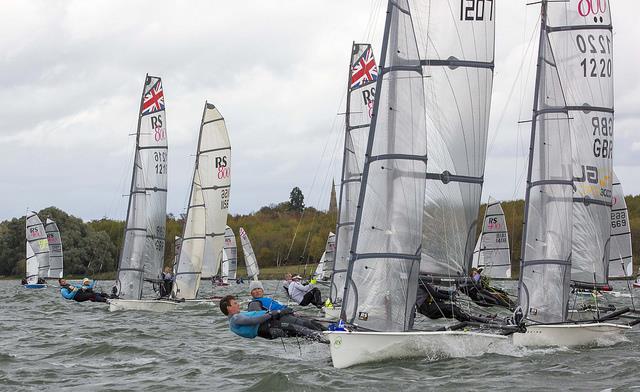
(580, 35)
(361, 83)
(143, 250)
(492, 248)
(383, 269)
(204, 230)
(37, 249)
(55, 250)
(456, 39)
(568, 193)
(249, 257)
(620, 255)
(229, 256)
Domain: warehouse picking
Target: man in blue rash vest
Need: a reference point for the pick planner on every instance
(262, 323)
(260, 302)
(81, 293)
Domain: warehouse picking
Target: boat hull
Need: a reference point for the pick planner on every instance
(353, 348)
(35, 286)
(570, 335)
(150, 305)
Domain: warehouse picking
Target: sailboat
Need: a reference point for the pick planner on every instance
(325, 265)
(142, 253)
(620, 255)
(37, 261)
(492, 249)
(361, 84)
(387, 245)
(204, 229)
(249, 257)
(56, 259)
(568, 195)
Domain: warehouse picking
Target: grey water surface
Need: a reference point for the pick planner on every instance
(48, 343)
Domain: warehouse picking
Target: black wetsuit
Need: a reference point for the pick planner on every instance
(485, 295)
(436, 304)
(288, 322)
(89, 295)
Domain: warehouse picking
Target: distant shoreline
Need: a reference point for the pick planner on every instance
(268, 273)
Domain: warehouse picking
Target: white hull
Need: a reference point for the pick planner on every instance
(331, 313)
(206, 301)
(353, 348)
(151, 305)
(569, 335)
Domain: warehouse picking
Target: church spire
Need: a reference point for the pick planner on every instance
(333, 204)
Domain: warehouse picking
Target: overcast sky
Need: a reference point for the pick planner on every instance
(71, 75)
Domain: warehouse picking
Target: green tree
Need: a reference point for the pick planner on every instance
(296, 200)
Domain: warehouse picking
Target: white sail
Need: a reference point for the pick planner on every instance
(176, 252)
(620, 255)
(580, 35)
(56, 260)
(204, 231)
(328, 257)
(143, 249)
(319, 272)
(456, 42)
(37, 241)
(32, 266)
(249, 257)
(361, 84)
(549, 236)
(383, 269)
(492, 249)
(230, 256)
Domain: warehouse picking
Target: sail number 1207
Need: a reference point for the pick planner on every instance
(476, 10)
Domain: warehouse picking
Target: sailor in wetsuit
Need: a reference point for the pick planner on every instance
(483, 294)
(435, 303)
(260, 302)
(81, 293)
(262, 323)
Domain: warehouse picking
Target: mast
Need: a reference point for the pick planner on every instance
(382, 275)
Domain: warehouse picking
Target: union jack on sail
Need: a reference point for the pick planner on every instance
(364, 70)
(153, 100)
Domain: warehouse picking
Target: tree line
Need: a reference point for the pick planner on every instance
(281, 234)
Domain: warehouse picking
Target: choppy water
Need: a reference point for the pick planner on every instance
(47, 343)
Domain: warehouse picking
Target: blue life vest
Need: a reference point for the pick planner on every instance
(270, 304)
(246, 331)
